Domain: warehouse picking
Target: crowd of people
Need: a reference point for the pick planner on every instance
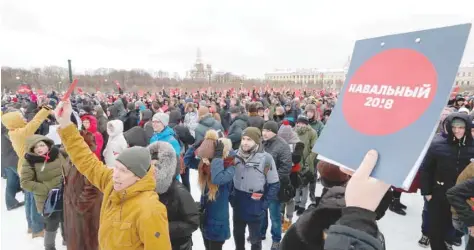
(112, 171)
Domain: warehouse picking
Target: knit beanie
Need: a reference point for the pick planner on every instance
(272, 126)
(207, 147)
(254, 134)
(136, 159)
(162, 117)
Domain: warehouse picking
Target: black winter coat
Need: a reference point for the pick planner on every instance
(9, 156)
(281, 153)
(239, 124)
(446, 158)
(183, 215)
(348, 226)
(131, 120)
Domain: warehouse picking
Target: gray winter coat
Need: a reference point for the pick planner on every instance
(204, 125)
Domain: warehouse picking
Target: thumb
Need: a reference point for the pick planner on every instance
(367, 165)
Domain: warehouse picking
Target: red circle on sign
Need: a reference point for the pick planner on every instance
(374, 112)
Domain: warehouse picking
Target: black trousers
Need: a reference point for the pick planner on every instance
(54, 221)
(213, 245)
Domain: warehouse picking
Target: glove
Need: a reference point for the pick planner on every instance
(219, 149)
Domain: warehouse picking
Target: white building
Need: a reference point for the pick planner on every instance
(326, 78)
(465, 75)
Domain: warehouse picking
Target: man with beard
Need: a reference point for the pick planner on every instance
(256, 183)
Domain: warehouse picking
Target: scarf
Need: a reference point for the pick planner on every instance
(246, 155)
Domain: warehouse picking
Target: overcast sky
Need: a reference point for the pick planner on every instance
(245, 37)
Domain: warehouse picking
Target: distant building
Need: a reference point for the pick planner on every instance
(200, 72)
(465, 76)
(226, 77)
(325, 78)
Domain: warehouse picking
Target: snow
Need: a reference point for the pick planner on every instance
(401, 232)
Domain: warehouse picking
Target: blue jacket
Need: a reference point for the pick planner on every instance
(216, 225)
(167, 135)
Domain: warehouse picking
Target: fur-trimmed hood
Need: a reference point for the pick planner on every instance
(166, 167)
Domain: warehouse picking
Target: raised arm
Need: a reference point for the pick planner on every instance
(79, 152)
(36, 122)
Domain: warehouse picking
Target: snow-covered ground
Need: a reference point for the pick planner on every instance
(401, 232)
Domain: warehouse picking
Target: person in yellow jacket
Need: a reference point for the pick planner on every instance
(18, 131)
(131, 215)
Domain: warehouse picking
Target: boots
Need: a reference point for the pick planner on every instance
(49, 240)
(396, 207)
(286, 225)
(36, 235)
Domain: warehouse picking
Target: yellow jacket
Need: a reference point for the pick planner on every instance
(130, 219)
(19, 130)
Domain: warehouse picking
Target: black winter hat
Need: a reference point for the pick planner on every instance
(272, 126)
(302, 119)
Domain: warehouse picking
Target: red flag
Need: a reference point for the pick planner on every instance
(79, 90)
(140, 93)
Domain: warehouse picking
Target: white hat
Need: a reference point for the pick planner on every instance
(161, 117)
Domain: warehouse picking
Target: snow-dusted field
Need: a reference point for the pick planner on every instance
(401, 232)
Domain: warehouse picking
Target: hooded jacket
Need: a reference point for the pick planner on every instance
(167, 135)
(99, 140)
(136, 136)
(447, 157)
(19, 130)
(116, 143)
(183, 214)
(308, 136)
(191, 121)
(205, 124)
(40, 174)
(145, 123)
(130, 219)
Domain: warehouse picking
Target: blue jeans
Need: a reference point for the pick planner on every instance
(13, 185)
(275, 217)
(34, 219)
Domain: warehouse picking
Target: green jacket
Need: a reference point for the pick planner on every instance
(308, 136)
(38, 179)
(317, 126)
